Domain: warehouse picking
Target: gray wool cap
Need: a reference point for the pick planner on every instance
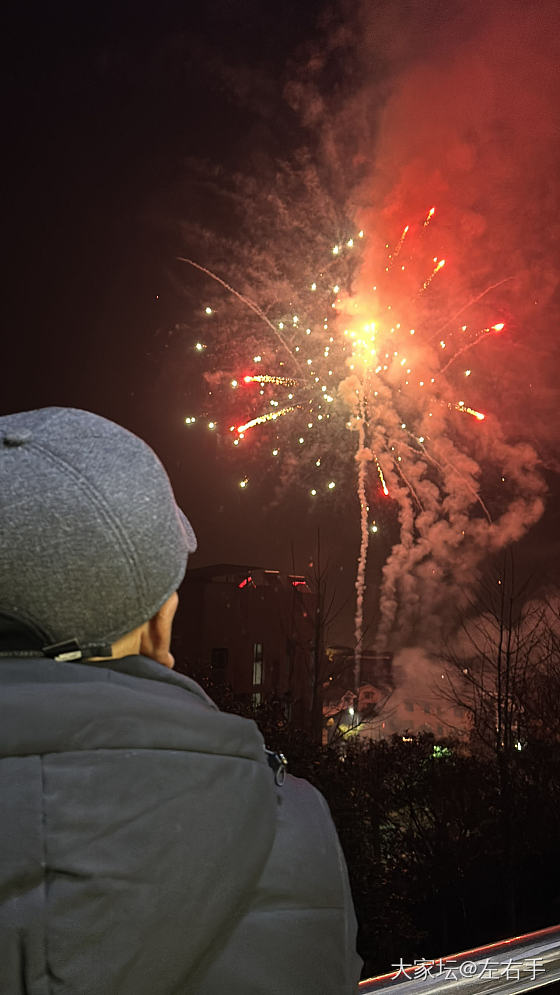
(92, 542)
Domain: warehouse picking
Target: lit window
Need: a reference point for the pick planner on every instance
(257, 664)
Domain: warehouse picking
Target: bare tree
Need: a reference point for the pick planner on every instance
(501, 670)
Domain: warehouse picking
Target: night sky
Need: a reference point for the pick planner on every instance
(111, 110)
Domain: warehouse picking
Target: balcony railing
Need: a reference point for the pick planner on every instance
(520, 964)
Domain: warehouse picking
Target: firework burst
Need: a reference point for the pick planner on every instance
(356, 388)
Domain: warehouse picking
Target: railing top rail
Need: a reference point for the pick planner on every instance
(508, 967)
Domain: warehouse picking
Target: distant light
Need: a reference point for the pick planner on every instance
(331, 485)
(336, 250)
(211, 424)
(190, 421)
(208, 310)
(244, 482)
(314, 286)
(257, 359)
(313, 492)
(234, 383)
(199, 347)
(275, 452)
(361, 234)
(350, 710)
(374, 528)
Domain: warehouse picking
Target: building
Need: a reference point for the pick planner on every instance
(251, 629)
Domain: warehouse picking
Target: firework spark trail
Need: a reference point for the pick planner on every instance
(381, 477)
(269, 378)
(408, 485)
(464, 307)
(429, 216)
(466, 410)
(470, 345)
(245, 300)
(396, 251)
(261, 419)
(470, 488)
(438, 266)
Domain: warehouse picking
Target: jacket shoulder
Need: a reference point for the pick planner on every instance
(298, 935)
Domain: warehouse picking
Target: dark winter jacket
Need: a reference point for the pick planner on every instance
(146, 850)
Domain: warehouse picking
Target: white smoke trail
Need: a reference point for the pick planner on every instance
(363, 457)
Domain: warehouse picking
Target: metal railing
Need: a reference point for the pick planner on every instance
(509, 967)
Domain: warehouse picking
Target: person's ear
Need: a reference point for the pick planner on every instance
(155, 636)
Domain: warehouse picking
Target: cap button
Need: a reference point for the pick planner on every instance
(17, 438)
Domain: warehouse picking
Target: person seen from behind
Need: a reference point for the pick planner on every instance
(145, 846)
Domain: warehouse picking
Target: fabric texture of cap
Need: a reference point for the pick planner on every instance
(92, 542)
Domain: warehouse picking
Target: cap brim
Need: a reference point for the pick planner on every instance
(189, 531)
